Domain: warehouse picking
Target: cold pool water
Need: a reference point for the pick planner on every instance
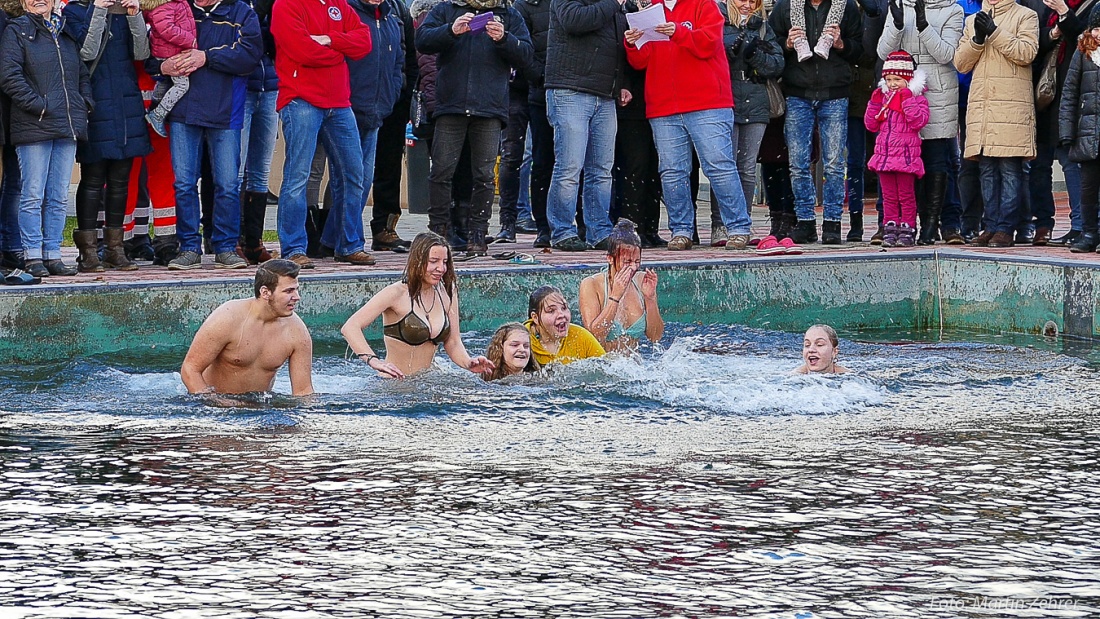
(939, 480)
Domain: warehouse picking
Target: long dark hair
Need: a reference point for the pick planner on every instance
(623, 235)
(418, 263)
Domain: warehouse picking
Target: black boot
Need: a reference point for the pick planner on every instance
(855, 230)
(139, 248)
(115, 255)
(787, 222)
(12, 260)
(935, 191)
(88, 261)
(830, 233)
(475, 245)
(1085, 244)
(460, 219)
(166, 247)
(776, 218)
(315, 227)
(804, 232)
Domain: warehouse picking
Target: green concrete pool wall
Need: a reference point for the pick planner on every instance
(910, 290)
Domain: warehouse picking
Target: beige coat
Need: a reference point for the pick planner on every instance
(1000, 115)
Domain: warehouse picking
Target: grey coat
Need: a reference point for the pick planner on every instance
(934, 51)
(747, 76)
(1078, 123)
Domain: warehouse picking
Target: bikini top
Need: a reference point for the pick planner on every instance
(413, 331)
(636, 330)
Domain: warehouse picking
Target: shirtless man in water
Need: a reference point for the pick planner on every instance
(244, 342)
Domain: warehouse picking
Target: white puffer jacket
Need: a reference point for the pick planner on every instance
(934, 51)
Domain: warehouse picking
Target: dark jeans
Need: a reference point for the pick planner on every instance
(542, 163)
(451, 131)
(389, 161)
(1040, 186)
(9, 202)
(777, 187)
(103, 185)
(1090, 194)
(970, 187)
(951, 218)
(857, 163)
(637, 192)
(1002, 179)
(511, 158)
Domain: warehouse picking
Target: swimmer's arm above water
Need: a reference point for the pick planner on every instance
(597, 315)
(456, 350)
(212, 337)
(654, 324)
(301, 362)
(363, 318)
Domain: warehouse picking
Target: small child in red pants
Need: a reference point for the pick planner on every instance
(897, 112)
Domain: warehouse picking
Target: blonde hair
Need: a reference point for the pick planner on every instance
(495, 352)
(731, 9)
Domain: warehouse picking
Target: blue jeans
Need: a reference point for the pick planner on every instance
(831, 118)
(857, 163)
(746, 139)
(1002, 178)
(584, 140)
(224, 149)
(261, 127)
(351, 238)
(711, 133)
(10, 188)
(303, 124)
(46, 169)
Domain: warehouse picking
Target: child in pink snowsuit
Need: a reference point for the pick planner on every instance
(897, 112)
(171, 30)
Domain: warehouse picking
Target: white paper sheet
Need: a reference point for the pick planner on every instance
(646, 20)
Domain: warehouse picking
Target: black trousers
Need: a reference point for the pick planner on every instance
(104, 184)
(511, 158)
(388, 165)
(451, 132)
(637, 191)
(1090, 195)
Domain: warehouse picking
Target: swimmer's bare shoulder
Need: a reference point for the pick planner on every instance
(804, 369)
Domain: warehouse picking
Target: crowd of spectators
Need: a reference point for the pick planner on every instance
(171, 109)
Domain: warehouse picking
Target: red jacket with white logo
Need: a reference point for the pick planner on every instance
(315, 73)
(689, 72)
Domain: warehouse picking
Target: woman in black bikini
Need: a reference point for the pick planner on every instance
(418, 313)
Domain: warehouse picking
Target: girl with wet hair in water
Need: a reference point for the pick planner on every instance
(419, 313)
(510, 352)
(820, 351)
(619, 304)
(553, 337)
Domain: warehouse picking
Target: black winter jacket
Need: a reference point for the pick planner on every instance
(1079, 111)
(536, 16)
(748, 75)
(585, 49)
(473, 69)
(817, 79)
(111, 43)
(47, 81)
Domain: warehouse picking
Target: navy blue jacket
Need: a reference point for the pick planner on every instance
(473, 70)
(230, 36)
(47, 82)
(116, 127)
(377, 79)
(263, 78)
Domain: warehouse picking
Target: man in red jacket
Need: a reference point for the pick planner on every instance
(689, 102)
(313, 39)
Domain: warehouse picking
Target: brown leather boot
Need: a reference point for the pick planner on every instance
(88, 262)
(114, 257)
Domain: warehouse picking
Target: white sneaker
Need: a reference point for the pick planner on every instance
(824, 44)
(802, 48)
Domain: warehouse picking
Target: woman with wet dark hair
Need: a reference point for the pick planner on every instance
(619, 305)
(553, 337)
(419, 313)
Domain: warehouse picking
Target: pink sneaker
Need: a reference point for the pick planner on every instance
(790, 248)
(768, 246)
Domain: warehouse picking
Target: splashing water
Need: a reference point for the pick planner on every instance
(701, 480)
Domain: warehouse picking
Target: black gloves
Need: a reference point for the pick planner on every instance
(750, 48)
(897, 13)
(870, 8)
(738, 43)
(922, 18)
(983, 27)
